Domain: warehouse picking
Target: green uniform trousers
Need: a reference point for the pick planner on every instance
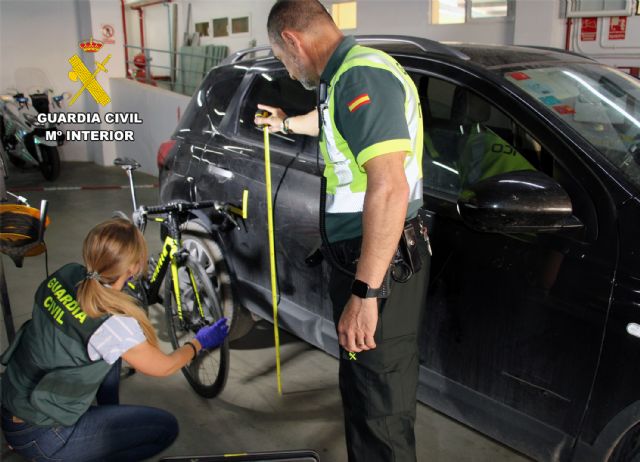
(379, 386)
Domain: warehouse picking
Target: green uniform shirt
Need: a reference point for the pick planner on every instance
(50, 378)
(372, 109)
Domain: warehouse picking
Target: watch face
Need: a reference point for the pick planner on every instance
(359, 288)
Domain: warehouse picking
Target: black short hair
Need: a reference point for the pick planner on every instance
(295, 14)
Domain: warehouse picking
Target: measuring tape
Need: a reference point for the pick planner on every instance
(272, 254)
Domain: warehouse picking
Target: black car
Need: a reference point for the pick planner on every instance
(531, 332)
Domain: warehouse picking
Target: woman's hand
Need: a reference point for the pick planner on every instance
(213, 336)
(150, 360)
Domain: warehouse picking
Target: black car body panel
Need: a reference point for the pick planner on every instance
(524, 336)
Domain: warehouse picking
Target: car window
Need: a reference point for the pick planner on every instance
(209, 104)
(600, 103)
(277, 89)
(468, 139)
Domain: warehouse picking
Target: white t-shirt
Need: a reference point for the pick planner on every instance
(114, 337)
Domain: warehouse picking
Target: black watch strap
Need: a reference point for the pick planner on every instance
(361, 289)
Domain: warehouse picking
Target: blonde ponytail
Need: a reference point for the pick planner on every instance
(109, 251)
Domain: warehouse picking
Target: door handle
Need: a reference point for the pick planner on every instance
(633, 329)
(221, 173)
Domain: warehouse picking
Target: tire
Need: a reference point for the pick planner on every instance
(50, 166)
(17, 161)
(3, 177)
(209, 254)
(208, 373)
(628, 450)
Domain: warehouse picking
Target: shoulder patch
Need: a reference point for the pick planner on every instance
(358, 102)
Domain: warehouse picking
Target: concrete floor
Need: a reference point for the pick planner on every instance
(248, 415)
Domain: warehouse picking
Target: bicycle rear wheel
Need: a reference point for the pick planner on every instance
(207, 374)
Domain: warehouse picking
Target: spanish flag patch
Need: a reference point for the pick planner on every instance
(359, 102)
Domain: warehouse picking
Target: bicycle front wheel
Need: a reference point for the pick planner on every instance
(199, 306)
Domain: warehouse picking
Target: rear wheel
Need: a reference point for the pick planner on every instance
(50, 165)
(207, 374)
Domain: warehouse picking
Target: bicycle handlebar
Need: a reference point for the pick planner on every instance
(177, 207)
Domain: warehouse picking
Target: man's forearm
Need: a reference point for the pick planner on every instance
(383, 218)
(306, 124)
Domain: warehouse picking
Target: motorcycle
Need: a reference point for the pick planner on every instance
(23, 138)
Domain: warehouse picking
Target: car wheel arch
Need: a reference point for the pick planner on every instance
(610, 437)
(202, 229)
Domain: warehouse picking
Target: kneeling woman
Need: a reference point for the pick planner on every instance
(69, 353)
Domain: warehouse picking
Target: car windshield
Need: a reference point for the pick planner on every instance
(601, 103)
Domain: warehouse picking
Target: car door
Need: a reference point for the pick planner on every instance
(513, 323)
(200, 168)
(295, 188)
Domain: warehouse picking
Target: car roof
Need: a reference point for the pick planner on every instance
(488, 56)
(492, 56)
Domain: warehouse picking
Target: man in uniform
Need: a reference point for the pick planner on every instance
(371, 141)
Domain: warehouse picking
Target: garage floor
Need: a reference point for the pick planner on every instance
(248, 415)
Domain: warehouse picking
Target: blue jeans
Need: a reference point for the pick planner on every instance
(107, 432)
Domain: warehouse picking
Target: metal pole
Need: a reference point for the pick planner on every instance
(141, 16)
(174, 47)
(124, 30)
(6, 306)
(133, 189)
(4, 295)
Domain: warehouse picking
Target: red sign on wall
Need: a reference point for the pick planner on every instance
(617, 28)
(589, 29)
(108, 33)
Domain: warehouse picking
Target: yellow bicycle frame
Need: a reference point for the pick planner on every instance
(168, 255)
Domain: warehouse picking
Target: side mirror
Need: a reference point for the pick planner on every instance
(517, 202)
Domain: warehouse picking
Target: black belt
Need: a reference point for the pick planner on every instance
(8, 414)
(420, 228)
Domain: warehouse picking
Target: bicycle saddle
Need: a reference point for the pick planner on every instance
(127, 163)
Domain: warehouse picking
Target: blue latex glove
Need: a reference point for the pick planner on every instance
(213, 336)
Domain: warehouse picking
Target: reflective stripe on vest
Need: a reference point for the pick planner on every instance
(346, 181)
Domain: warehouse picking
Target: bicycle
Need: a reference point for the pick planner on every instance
(190, 301)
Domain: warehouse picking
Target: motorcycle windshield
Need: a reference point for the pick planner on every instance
(30, 80)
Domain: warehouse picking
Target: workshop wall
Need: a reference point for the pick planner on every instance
(536, 22)
(44, 34)
(412, 18)
(159, 110)
(157, 24)
(605, 48)
(539, 23)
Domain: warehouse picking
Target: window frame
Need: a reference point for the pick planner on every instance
(563, 150)
(510, 16)
(450, 196)
(251, 78)
(336, 3)
(573, 10)
(468, 19)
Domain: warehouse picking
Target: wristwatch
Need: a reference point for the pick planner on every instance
(284, 126)
(361, 289)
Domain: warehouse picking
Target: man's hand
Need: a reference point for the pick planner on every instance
(358, 324)
(274, 121)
